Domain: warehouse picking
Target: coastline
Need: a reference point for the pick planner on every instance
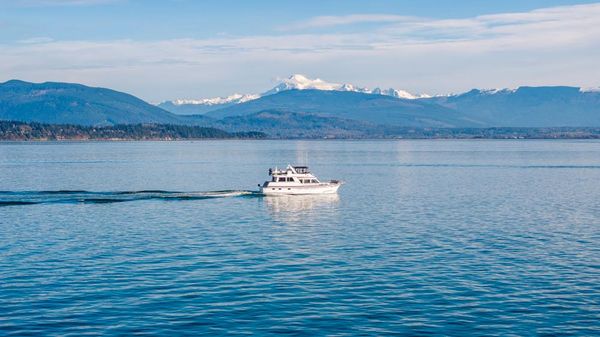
(15, 131)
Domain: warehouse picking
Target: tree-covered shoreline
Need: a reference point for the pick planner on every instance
(21, 131)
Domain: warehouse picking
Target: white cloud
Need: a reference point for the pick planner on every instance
(331, 21)
(558, 45)
(32, 3)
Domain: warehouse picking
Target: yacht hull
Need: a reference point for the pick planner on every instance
(324, 188)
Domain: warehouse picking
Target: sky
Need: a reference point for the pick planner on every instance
(160, 50)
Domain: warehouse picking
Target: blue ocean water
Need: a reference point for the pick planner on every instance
(425, 238)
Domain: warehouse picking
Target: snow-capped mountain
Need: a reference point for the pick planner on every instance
(294, 82)
(235, 98)
(398, 93)
(301, 82)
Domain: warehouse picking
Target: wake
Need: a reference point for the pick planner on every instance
(19, 198)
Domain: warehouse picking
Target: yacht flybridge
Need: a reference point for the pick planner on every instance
(297, 180)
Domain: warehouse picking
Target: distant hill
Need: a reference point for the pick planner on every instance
(68, 103)
(282, 124)
(527, 106)
(378, 109)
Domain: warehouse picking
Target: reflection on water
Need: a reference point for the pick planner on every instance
(296, 208)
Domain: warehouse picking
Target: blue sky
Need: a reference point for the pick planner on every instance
(191, 49)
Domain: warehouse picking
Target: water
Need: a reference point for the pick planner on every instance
(425, 238)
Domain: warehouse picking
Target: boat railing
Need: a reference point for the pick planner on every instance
(273, 172)
(301, 169)
(293, 169)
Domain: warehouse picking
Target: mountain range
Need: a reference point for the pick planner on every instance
(294, 82)
(378, 109)
(300, 107)
(527, 106)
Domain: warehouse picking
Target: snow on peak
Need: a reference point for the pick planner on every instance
(301, 82)
(233, 99)
(589, 89)
(398, 93)
(497, 91)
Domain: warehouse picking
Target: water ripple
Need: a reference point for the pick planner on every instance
(480, 245)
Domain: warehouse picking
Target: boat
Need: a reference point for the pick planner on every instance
(296, 180)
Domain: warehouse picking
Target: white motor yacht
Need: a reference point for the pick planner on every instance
(297, 180)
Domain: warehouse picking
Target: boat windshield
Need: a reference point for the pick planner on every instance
(301, 169)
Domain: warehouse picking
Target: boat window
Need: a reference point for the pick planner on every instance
(301, 169)
(314, 181)
(274, 179)
(290, 179)
(281, 179)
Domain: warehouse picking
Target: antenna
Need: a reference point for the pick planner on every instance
(302, 154)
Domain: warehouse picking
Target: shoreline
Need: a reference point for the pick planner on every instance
(40, 141)
(15, 131)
